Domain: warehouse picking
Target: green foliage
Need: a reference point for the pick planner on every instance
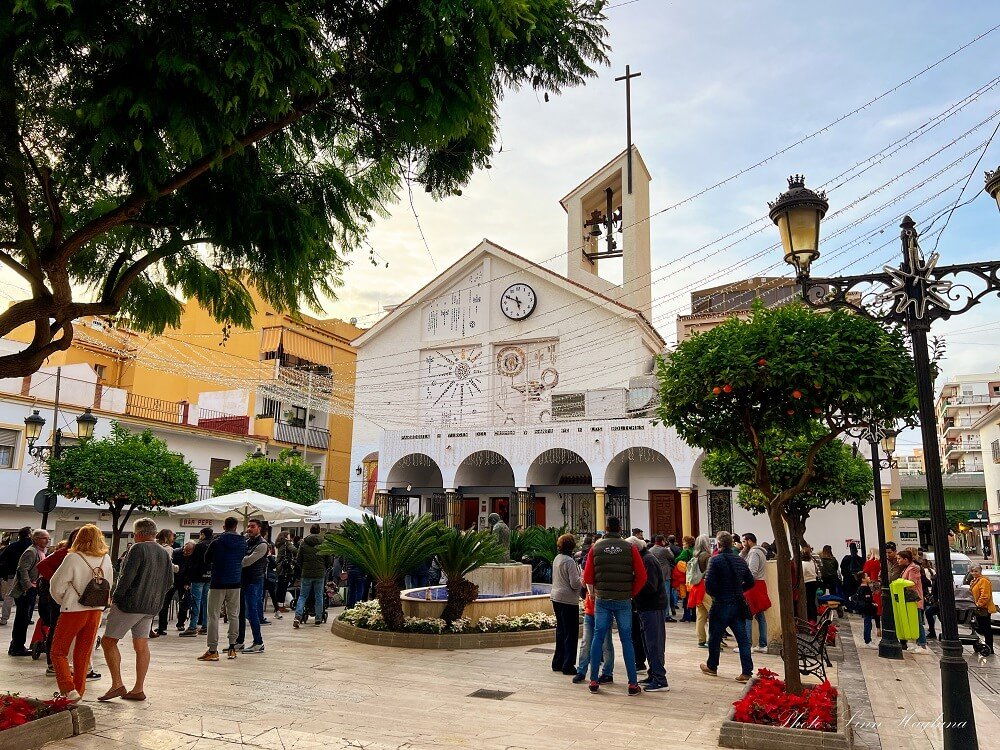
(288, 478)
(460, 553)
(387, 553)
(126, 472)
(779, 372)
(839, 476)
(170, 151)
(541, 542)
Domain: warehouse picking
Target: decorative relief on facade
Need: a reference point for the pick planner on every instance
(454, 386)
(525, 376)
(458, 313)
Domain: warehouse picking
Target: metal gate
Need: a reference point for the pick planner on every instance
(447, 508)
(578, 510)
(720, 510)
(616, 503)
(522, 509)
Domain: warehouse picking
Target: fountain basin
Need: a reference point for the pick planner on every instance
(429, 602)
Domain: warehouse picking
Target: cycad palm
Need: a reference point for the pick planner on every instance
(460, 554)
(387, 554)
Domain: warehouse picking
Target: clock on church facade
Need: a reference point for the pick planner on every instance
(518, 301)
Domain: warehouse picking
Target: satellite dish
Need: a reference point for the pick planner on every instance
(45, 501)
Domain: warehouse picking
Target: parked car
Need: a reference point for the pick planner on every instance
(960, 564)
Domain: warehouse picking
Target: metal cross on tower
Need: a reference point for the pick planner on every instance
(629, 75)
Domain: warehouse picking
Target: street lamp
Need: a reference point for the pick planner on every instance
(912, 295)
(258, 453)
(34, 423)
(798, 213)
(993, 185)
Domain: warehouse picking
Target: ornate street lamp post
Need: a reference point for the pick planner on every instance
(912, 295)
(889, 647)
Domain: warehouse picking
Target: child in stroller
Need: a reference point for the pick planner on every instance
(965, 609)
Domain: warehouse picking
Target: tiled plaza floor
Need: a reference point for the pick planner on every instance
(310, 689)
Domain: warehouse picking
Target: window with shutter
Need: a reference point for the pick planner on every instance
(9, 440)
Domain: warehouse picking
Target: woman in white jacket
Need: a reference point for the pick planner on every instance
(86, 560)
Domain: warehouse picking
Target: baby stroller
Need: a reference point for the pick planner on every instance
(965, 608)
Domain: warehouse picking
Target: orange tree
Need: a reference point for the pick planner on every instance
(840, 476)
(750, 386)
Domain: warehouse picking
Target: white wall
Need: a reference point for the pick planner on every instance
(390, 392)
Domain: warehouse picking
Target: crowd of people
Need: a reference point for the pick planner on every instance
(642, 586)
(75, 586)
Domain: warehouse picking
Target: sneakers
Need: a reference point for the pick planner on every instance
(669, 619)
(50, 670)
(654, 686)
(606, 679)
(594, 686)
(921, 650)
(189, 633)
(743, 678)
(240, 645)
(706, 670)
(254, 648)
(702, 645)
(870, 645)
(296, 623)
(202, 631)
(74, 696)
(278, 616)
(634, 690)
(265, 621)
(209, 656)
(759, 649)
(231, 653)
(578, 678)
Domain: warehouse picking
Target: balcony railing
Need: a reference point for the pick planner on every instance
(313, 437)
(205, 491)
(216, 420)
(995, 446)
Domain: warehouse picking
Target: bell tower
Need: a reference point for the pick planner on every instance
(607, 223)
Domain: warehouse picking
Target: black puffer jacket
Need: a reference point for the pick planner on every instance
(653, 595)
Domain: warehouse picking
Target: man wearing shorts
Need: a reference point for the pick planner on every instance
(146, 575)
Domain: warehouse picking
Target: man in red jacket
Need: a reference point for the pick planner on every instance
(614, 574)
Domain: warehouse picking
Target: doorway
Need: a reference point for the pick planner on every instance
(665, 513)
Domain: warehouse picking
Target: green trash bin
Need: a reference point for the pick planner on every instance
(905, 613)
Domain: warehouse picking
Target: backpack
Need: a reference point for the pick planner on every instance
(98, 591)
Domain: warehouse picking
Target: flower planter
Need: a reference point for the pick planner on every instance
(442, 640)
(740, 734)
(59, 726)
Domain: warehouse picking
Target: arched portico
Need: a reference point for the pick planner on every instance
(563, 487)
(411, 479)
(641, 487)
(485, 481)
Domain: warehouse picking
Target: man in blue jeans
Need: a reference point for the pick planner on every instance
(254, 570)
(614, 574)
(313, 565)
(726, 579)
(200, 575)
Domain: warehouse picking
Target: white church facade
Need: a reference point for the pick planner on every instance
(502, 386)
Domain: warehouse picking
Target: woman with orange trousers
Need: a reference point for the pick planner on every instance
(86, 561)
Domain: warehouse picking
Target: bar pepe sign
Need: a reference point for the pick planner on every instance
(188, 522)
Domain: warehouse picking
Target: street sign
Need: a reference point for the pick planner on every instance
(45, 501)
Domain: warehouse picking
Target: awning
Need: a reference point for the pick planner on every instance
(306, 348)
(295, 344)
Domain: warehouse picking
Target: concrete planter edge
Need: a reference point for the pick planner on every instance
(60, 726)
(737, 734)
(449, 641)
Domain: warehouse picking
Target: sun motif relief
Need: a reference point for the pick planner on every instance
(454, 384)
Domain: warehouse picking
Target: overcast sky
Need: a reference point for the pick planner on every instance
(724, 86)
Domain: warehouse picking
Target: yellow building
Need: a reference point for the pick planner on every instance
(288, 381)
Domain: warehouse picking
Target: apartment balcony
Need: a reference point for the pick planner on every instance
(953, 426)
(184, 413)
(962, 446)
(296, 433)
(955, 402)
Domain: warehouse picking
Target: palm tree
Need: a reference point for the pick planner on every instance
(459, 555)
(387, 554)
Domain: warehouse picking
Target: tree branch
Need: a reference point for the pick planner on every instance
(132, 205)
